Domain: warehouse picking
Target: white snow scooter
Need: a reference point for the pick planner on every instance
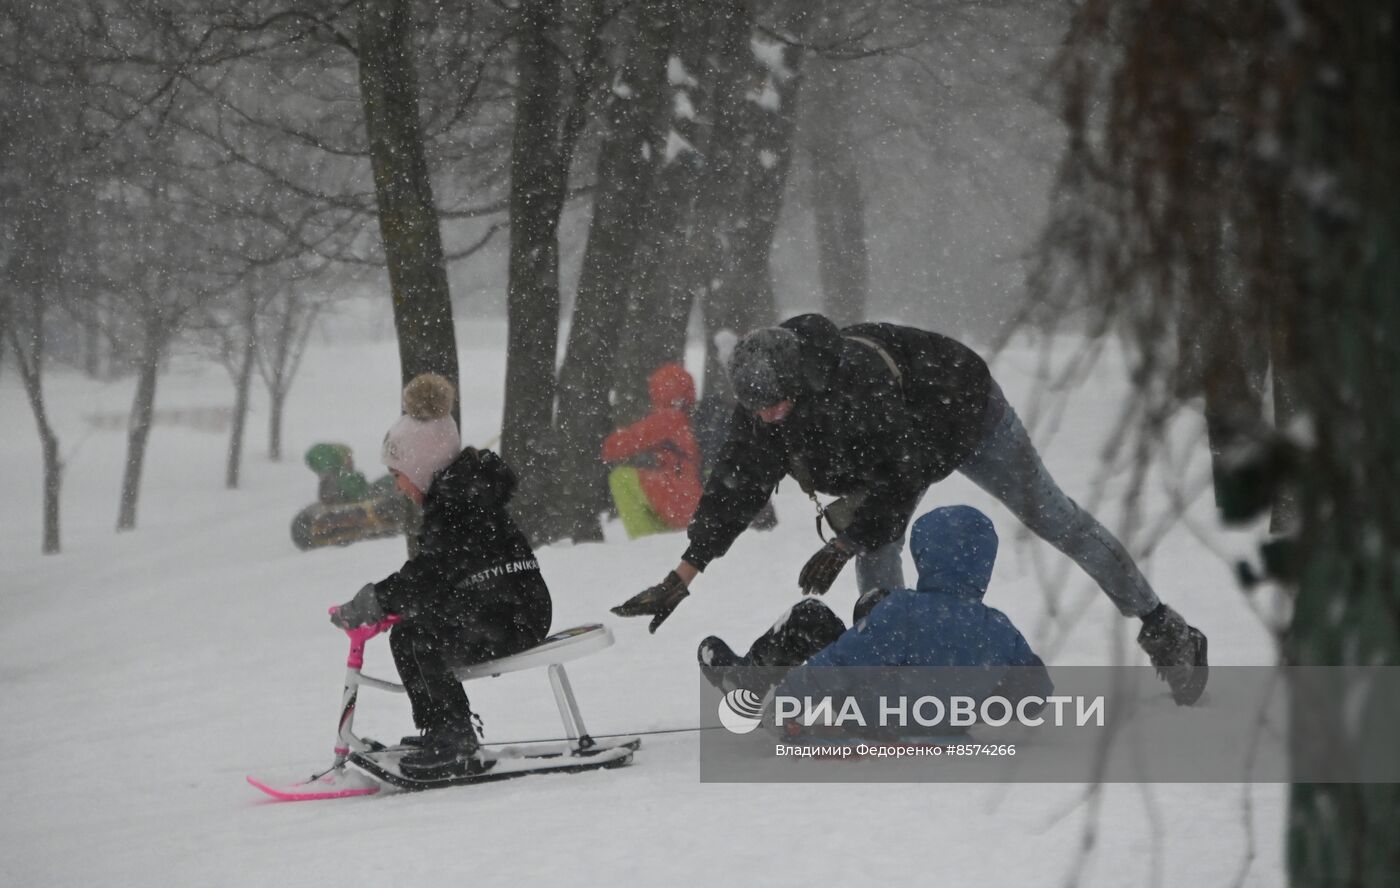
(578, 752)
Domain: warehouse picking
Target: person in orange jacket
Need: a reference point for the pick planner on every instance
(657, 485)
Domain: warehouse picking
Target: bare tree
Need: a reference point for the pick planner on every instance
(624, 171)
(733, 77)
(554, 92)
(24, 332)
(539, 179)
(690, 183)
(1276, 123)
(233, 329)
(838, 205)
(284, 328)
(660, 302)
(754, 137)
(44, 189)
(242, 384)
(159, 284)
(408, 217)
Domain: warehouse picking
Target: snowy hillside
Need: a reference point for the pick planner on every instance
(145, 674)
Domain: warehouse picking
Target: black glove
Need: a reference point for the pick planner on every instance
(658, 600)
(362, 610)
(821, 569)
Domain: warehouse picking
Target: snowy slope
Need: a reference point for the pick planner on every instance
(145, 674)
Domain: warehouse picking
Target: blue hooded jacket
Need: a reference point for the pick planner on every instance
(943, 622)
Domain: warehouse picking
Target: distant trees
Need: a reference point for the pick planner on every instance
(269, 144)
(158, 284)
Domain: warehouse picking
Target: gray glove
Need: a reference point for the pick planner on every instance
(362, 610)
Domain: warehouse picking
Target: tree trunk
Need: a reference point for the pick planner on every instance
(660, 298)
(408, 217)
(1348, 324)
(277, 399)
(739, 290)
(1285, 515)
(276, 377)
(539, 174)
(838, 204)
(625, 162)
(5, 321)
(92, 339)
(723, 212)
(767, 165)
(242, 384)
(53, 482)
(30, 362)
(292, 330)
(139, 427)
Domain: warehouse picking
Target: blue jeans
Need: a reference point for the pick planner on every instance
(1007, 466)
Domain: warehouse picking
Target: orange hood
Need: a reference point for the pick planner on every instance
(670, 385)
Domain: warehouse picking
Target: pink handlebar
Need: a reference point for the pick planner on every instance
(361, 634)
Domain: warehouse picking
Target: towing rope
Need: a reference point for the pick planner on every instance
(695, 729)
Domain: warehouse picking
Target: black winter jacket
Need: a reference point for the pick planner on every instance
(853, 429)
(471, 557)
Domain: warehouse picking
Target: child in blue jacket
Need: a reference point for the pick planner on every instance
(943, 622)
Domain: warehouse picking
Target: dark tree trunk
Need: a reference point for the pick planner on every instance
(92, 337)
(29, 357)
(838, 204)
(53, 481)
(1285, 513)
(539, 177)
(660, 298)
(408, 217)
(1347, 611)
(723, 211)
(31, 279)
(6, 319)
(277, 399)
(243, 382)
(767, 165)
(294, 322)
(625, 162)
(739, 290)
(278, 380)
(139, 427)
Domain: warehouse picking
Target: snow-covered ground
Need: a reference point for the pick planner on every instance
(143, 674)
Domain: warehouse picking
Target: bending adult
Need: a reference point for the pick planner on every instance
(874, 414)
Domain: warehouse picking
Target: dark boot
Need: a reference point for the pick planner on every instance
(1178, 652)
(716, 661)
(444, 753)
(417, 740)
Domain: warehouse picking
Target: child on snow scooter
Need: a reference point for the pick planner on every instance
(471, 592)
(940, 624)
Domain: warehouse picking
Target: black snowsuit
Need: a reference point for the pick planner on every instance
(857, 427)
(473, 591)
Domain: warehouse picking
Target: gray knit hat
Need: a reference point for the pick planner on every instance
(765, 367)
